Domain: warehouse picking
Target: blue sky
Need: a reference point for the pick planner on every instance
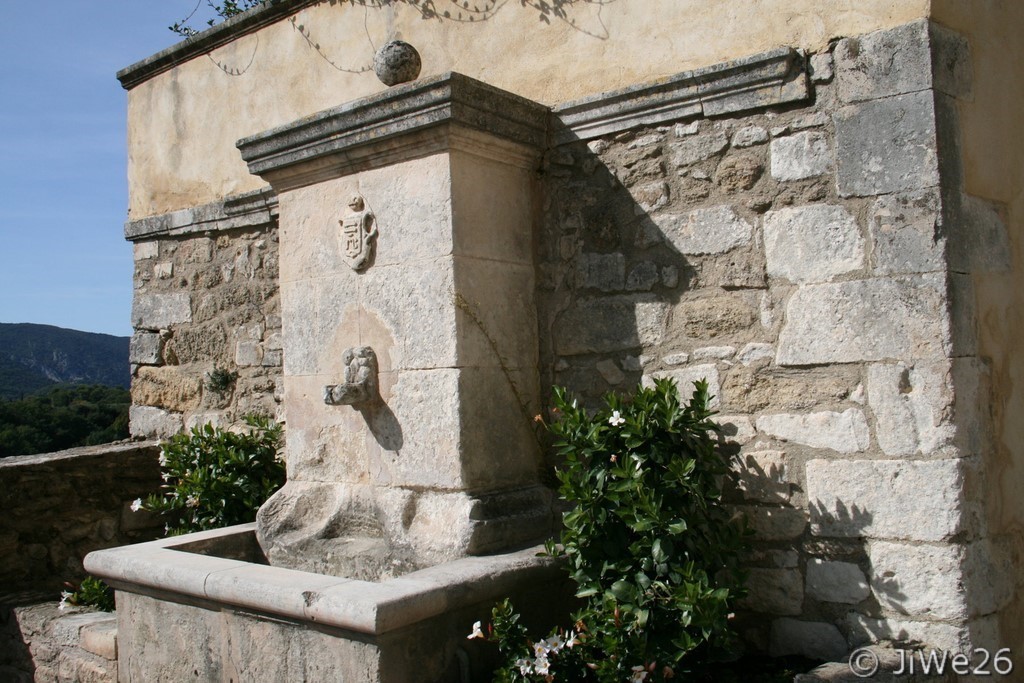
(63, 189)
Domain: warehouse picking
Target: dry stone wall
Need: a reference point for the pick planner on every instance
(798, 258)
(58, 507)
(207, 342)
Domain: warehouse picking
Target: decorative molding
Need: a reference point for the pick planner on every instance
(249, 210)
(209, 40)
(763, 80)
(403, 122)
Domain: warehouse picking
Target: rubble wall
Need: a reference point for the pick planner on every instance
(802, 259)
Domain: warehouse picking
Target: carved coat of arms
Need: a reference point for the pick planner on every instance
(358, 234)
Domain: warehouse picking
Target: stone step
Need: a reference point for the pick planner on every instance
(77, 645)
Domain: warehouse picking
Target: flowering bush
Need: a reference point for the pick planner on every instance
(91, 592)
(651, 548)
(216, 478)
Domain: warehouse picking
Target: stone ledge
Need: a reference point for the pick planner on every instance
(769, 78)
(406, 121)
(101, 451)
(249, 210)
(209, 40)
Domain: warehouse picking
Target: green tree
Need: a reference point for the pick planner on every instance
(63, 417)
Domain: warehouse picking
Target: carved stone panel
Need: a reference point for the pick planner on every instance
(358, 234)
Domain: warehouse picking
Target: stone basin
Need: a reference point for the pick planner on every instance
(208, 602)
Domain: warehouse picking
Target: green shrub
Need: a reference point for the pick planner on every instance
(91, 592)
(216, 478)
(654, 553)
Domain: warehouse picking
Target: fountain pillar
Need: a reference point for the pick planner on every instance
(407, 227)
(410, 376)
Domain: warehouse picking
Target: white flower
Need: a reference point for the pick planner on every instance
(165, 476)
(525, 666)
(555, 643)
(477, 633)
(136, 505)
(162, 460)
(616, 419)
(541, 649)
(570, 639)
(64, 595)
(192, 501)
(639, 675)
(541, 665)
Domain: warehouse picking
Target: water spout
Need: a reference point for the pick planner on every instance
(360, 384)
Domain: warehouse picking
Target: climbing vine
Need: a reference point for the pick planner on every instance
(226, 10)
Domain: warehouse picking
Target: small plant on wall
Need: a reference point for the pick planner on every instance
(216, 478)
(652, 550)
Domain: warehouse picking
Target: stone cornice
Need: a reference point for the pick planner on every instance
(766, 79)
(249, 210)
(403, 122)
(209, 40)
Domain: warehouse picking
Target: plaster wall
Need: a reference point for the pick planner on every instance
(991, 150)
(183, 123)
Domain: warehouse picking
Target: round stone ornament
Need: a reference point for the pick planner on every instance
(396, 62)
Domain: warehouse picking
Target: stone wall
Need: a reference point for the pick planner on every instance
(188, 104)
(58, 507)
(207, 342)
(804, 243)
(988, 121)
(801, 258)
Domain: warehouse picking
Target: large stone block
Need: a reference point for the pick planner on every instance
(753, 389)
(145, 348)
(496, 314)
(845, 432)
(978, 238)
(604, 324)
(762, 476)
(774, 591)
(799, 156)
(169, 387)
(913, 407)
(842, 582)
(812, 639)
(774, 523)
(866, 320)
(149, 422)
(904, 59)
(906, 234)
(713, 230)
(884, 63)
(924, 634)
(868, 498)
(812, 243)
(991, 574)
(900, 585)
(154, 311)
(707, 318)
(697, 148)
(887, 146)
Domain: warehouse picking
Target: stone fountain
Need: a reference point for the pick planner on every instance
(410, 337)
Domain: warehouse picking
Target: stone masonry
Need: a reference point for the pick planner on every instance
(799, 258)
(60, 506)
(801, 241)
(207, 342)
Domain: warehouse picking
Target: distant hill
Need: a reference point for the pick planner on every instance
(36, 357)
